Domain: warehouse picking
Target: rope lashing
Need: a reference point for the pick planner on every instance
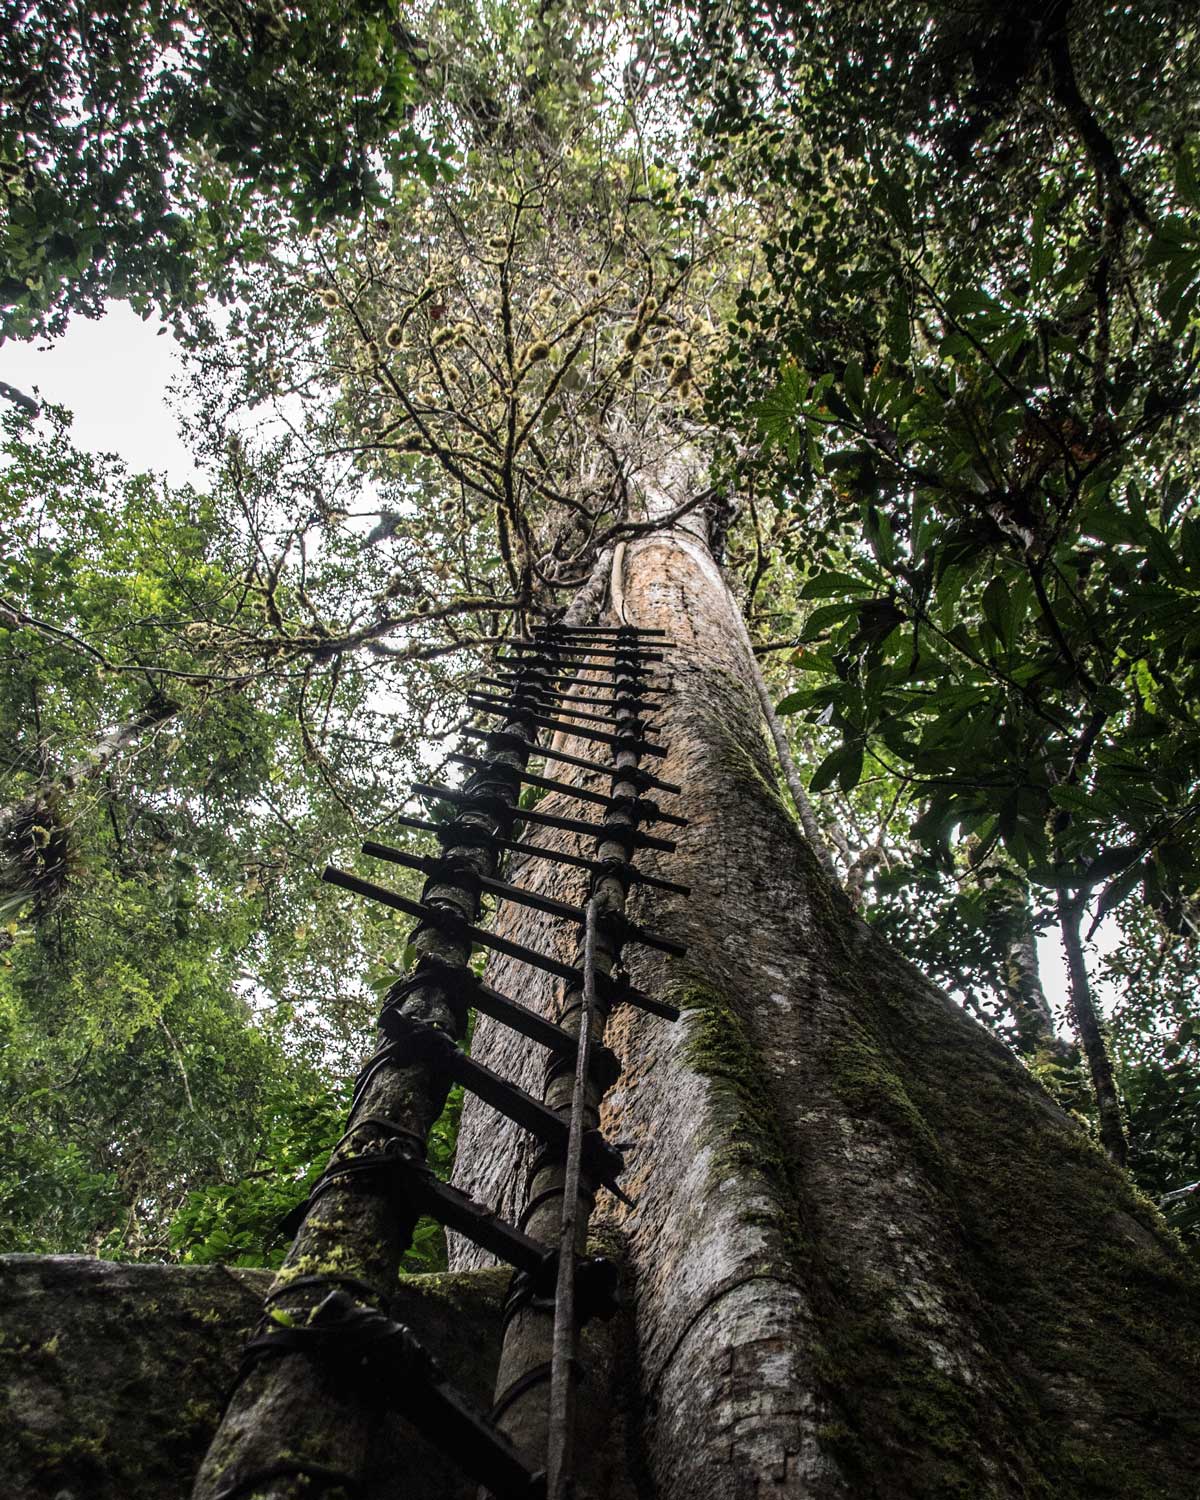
(393, 1368)
(630, 875)
(341, 1321)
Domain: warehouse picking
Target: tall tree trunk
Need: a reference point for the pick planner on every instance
(1037, 1038)
(869, 1256)
(98, 759)
(1087, 1024)
(1023, 989)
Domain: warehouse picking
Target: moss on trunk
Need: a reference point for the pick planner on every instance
(869, 1256)
(114, 1375)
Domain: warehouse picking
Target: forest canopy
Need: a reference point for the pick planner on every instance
(913, 290)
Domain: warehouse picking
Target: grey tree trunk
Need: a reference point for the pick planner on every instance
(106, 749)
(869, 1256)
(1036, 1039)
(1026, 997)
(1090, 1032)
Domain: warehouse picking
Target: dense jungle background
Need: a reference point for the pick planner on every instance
(919, 281)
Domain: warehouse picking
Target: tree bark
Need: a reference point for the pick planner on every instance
(869, 1256)
(112, 1376)
(1087, 1025)
(1036, 1036)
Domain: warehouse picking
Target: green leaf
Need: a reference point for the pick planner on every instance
(779, 414)
(829, 614)
(899, 328)
(843, 759)
(1163, 555)
(1073, 799)
(879, 533)
(829, 585)
(975, 307)
(1146, 685)
(919, 531)
(850, 772)
(1186, 183)
(1116, 891)
(1174, 244)
(995, 604)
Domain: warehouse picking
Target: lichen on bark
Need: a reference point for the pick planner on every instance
(113, 1376)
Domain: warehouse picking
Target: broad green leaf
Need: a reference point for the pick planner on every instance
(843, 759)
(830, 585)
(1186, 184)
(829, 614)
(995, 604)
(1073, 798)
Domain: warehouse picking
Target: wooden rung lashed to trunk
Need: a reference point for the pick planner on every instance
(362, 1210)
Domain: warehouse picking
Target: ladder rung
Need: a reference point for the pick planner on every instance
(614, 991)
(453, 832)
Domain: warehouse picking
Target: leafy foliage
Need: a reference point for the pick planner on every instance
(971, 367)
(1155, 1029)
(923, 280)
(147, 146)
(173, 993)
(237, 1223)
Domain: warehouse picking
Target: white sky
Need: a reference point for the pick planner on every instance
(1053, 969)
(113, 373)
